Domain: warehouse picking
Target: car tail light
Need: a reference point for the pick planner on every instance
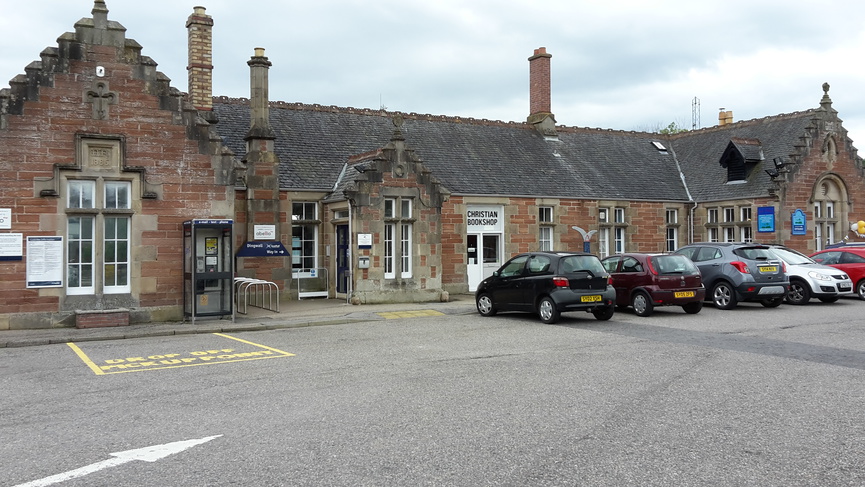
(651, 267)
(740, 266)
(561, 282)
(609, 280)
(784, 266)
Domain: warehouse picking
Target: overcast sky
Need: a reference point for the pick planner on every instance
(627, 65)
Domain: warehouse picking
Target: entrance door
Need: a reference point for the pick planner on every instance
(342, 268)
(483, 257)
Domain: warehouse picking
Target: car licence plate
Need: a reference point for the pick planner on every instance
(684, 294)
(768, 268)
(591, 299)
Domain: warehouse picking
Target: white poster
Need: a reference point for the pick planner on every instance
(44, 262)
(5, 218)
(11, 247)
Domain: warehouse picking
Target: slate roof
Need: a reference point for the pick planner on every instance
(699, 153)
(482, 157)
(468, 156)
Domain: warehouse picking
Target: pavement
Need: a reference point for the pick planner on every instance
(291, 314)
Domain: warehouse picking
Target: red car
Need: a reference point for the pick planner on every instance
(644, 281)
(850, 259)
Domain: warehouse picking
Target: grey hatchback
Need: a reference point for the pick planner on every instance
(739, 271)
(548, 283)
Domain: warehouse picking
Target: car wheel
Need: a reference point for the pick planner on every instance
(547, 310)
(693, 308)
(723, 296)
(860, 289)
(604, 314)
(829, 299)
(772, 302)
(642, 304)
(799, 293)
(485, 305)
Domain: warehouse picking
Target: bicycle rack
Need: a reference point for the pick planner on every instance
(258, 290)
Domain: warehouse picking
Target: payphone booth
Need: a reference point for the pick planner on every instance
(208, 269)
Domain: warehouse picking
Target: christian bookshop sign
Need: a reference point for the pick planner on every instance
(485, 219)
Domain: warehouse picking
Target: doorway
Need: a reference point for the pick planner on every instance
(483, 252)
(342, 269)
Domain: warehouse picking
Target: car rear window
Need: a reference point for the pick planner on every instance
(673, 264)
(581, 263)
(754, 253)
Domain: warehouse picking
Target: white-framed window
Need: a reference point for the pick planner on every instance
(545, 230)
(620, 240)
(304, 237)
(729, 214)
(603, 215)
(604, 242)
(98, 233)
(398, 248)
(672, 232)
(619, 214)
(712, 234)
(712, 215)
(747, 234)
(729, 234)
(389, 250)
(745, 213)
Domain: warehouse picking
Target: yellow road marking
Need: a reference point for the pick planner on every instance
(159, 362)
(83, 356)
(390, 315)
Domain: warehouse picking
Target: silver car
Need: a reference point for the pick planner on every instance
(809, 279)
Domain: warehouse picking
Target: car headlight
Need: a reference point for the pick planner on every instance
(819, 276)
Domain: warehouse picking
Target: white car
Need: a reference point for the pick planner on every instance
(809, 279)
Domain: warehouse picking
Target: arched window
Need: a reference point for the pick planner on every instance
(829, 211)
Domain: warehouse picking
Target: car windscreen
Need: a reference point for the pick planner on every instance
(791, 257)
(673, 264)
(755, 253)
(581, 263)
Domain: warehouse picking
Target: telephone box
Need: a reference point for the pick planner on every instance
(208, 269)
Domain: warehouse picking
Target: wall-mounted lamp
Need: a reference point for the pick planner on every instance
(779, 162)
(773, 173)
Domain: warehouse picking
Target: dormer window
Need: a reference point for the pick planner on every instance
(740, 158)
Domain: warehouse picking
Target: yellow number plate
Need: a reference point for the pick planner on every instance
(768, 268)
(684, 294)
(590, 299)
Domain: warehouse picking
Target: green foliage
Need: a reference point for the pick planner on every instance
(671, 129)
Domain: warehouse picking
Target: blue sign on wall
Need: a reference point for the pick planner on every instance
(766, 219)
(798, 222)
(262, 249)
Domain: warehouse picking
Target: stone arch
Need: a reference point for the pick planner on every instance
(830, 206)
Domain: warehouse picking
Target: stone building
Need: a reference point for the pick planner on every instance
(100, 153)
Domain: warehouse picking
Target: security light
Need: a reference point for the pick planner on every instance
(773, 173)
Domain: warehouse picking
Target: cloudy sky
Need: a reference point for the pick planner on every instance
(620, 64)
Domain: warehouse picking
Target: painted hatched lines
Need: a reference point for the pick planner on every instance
(181, 359)
(390, 315)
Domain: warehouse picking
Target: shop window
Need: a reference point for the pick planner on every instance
(304, 238)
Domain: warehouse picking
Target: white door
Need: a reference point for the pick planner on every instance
(484, 257)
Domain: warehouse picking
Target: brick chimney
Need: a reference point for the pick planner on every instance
(540, 111)
(199, 27)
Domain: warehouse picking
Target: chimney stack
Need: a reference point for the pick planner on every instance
(199, 27)
(259, 101)
(540, 107)
(725, 117)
